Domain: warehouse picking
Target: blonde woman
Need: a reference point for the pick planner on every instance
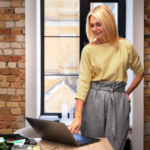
(102, 104)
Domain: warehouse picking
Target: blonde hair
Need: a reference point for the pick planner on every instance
(104, 15)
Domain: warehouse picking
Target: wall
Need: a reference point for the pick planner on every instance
(12, 65)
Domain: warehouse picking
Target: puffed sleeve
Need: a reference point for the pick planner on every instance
(134, 61)
(85, 74)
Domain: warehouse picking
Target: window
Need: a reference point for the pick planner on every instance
(62, 40)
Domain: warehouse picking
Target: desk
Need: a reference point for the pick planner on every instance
(103, 144)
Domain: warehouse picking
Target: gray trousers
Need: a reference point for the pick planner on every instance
(106, 112)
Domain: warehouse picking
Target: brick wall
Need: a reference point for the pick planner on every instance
(12, 65)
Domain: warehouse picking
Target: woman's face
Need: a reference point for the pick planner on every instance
(97, 28)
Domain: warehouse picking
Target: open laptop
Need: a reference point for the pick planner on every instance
(58, 132)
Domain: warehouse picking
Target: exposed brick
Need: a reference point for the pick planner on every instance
(2, 65)
(21, 78)
(145, 44)
(24, 97)
(4, 71)
(146, 10)
(4, 125)
(4, 84)
(145, 112)
(7, 51)
(10, 118)
(20, 38)
(22, 104)
(2, 117)
(11, 91)
(15, 85)
(6, 131)
(23, 30)
(15, 4)
(145, 57)
(146, 98)
(16, 98)
(147, 78)
(10, 38)
(147, 105)
(5, 111)
(5, 97)
(148, 112)
(23, 112)
(15, 58)
(145, 71)
(12, 65)
(2, 24)
(19, 10)
(1, 38)
(19, 51)
(20, 23)
(20, 91)
(14, 130)
(23, 16)
(10, 10)
(22, 71)
(5, 17)
(5, 58)
(16, 111)
(10, 24)
(23, 58)
(4, 45)
(3, 91)
(23, 4)
(10, 78)
(19, 118)
(12, 104)
(14, 125)
(2, 10)
(2, 104)
(15, 71)
(21, 64)
(16, 17)
(4, 31)
(16, 31)
(16, 45)
(1, 52)
(23, 45)
(4, 4)
(1, 77)
(146, 31)
(21, 125)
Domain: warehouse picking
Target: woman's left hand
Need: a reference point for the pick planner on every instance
(128, 98)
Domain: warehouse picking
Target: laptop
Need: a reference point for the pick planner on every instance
(58, 132)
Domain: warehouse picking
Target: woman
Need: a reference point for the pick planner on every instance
(102, 104)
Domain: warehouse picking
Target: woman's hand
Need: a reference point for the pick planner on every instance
(128, 98)
(76, 124)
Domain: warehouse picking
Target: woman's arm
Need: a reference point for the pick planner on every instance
(134, 84)
(76, 124)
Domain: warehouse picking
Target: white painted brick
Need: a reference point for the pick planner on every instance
(2, 65)
(3, 91)
(19, 10)
(19, 51)
(11, 91)
(4, 4)
(20, 38)
(20, 91)
(15, 45)
(12, 64)
(21, 64)
(23, 4)
(20, 23)
(4, 45)
(7, 51)
(23, 45)
(1, 52)
(21, 125)
(10, 24)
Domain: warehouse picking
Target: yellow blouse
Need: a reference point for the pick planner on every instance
(106, 63)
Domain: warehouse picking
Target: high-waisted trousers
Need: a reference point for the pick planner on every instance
(106, 112)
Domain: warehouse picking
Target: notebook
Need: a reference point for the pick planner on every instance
(58, 132)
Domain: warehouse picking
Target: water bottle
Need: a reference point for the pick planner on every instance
(64, 110)
(71, 111)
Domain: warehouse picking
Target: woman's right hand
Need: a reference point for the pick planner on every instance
(75, 126)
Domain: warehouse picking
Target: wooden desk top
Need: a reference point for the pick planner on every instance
(103, 144)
